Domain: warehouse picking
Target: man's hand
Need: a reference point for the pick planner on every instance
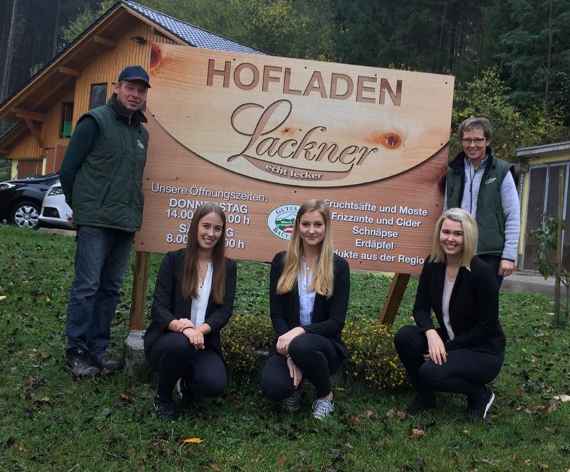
(506, 267)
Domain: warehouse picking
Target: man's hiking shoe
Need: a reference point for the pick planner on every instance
(80, 363)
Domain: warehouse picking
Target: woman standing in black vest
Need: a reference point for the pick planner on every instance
(193, 301)
(309, 289)
(466, 351)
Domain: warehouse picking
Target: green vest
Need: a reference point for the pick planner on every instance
(490, 215)
(107, 191)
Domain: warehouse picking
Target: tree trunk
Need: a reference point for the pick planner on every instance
(10, 51)
(56, 27)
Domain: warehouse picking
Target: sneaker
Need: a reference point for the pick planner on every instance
(80, 363)
(479, 407)
(322, 408)
(293, 403)
(421, 402)
(108, 364)
(165, 410)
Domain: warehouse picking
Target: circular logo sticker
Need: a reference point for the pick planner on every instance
(281, 220)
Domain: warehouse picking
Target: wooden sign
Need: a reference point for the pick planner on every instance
(259, 135)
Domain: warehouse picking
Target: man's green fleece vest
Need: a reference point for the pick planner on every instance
(107, 191)
(490, 215)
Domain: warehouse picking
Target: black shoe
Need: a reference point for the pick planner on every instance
(80, 363)
(182, 390)
(165, 410)
(421, 402)
(479, 406)
(107, 363)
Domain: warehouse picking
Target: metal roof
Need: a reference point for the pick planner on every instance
(543, 149)
(190, 34)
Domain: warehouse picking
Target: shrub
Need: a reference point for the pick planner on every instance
(373, 359)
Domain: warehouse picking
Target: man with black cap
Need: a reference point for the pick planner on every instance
(101, 176)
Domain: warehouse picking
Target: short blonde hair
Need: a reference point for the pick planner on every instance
(470, 236)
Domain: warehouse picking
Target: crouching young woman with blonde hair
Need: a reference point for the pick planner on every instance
(466, 350)
(309, 289)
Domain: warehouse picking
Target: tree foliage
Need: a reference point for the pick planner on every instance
(511, 58)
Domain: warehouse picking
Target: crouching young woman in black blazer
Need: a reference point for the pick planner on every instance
(193, 301)
(466, 351)
(309, 288)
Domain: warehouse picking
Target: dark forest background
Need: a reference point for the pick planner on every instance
(511, 58)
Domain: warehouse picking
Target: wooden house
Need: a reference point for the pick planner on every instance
(542, 168)
(45, 111)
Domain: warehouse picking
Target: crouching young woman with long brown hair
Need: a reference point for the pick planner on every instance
(309, 289)
(193, 301)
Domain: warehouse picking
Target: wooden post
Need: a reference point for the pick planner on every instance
(394, 298)
(140, 281)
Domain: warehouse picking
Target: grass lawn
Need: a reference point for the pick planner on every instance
(50, 422)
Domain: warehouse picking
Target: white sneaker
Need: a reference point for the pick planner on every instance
(322, 408)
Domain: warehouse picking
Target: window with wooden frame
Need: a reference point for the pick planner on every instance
(97, 95)
(66, 119)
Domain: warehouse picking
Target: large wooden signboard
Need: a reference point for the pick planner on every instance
(260, 134)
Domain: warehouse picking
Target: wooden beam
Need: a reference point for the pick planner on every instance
(104, 41)
(29, 115)
(36, 132)
(68, 71)
(395, 295)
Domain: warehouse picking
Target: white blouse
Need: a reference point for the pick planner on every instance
(447, 290)
(306, 294)
(200, 302)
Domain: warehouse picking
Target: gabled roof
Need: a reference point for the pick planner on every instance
(59, 72)
(190, 34)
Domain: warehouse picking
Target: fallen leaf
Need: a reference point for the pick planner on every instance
(215, 467)
(281, 461)
(563, 399)
(417, 433)
(3, 297)
(192, 441)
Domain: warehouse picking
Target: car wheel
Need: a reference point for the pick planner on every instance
(26, 215)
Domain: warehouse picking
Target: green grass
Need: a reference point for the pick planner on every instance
(50, 422)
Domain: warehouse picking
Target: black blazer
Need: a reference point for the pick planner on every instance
(328, 314)
(473, 307)
(169, 304)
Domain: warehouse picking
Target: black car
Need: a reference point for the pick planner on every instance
(21, 199)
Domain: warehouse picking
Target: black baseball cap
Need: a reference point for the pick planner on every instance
(133, 73)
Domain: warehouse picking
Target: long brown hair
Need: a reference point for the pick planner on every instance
(190, 279)
(323, 279)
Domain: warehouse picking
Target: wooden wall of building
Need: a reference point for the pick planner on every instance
(27, 148)
(134, 47)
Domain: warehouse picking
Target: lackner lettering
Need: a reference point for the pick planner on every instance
(261, 144)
